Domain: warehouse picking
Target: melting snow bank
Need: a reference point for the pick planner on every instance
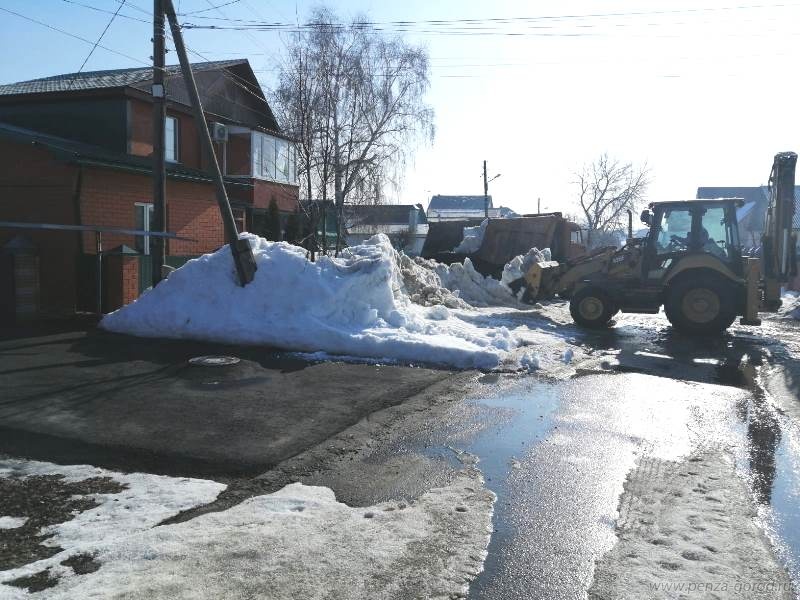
(357, 304)
(296, 543)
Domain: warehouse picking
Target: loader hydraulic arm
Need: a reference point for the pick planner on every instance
(779, 245)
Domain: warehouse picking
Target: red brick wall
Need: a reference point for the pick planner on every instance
(140, 133)
(34, 187)
(121, 281)
(287, 196)
(109, 197)
(193, 213)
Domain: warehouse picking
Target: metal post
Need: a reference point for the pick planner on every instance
(240, 249)
(485, 193)
(98, 248)
(159, 118)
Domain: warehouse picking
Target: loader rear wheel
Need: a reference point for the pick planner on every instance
(592, 307)
(701, 306)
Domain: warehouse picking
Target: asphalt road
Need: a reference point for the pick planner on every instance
(663, 461)
(72, 393)
(573, 461)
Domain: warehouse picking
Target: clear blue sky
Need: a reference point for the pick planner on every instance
(704, 91)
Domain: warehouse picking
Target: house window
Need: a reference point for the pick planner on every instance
(171, 139)
(144, 222)
(273, 158)
(239, 217)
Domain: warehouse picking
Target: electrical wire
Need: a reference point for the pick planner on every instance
(108, 12)
(72, 35)
(94, 47)
(213, 7)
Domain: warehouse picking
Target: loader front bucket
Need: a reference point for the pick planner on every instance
(540, 281)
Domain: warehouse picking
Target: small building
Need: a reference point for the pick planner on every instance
(460, 208)
(76, 149)
(406, 225)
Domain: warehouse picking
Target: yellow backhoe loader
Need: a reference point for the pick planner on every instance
(690, 263)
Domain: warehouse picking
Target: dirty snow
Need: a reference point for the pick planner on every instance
(356, 304)
(706, 545)
(473, 238)
(146, 501)
(298, 542)
(12, 522)
(468, 285)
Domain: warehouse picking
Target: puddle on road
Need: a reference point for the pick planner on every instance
(769, 458)
(557, 457)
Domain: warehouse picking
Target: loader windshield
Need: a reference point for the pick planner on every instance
(696, 228)
(715, 235)
(674, 229)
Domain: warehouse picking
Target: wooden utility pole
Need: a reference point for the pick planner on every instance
(240, 249)
(158, 245)
(485, 193)
(538, 206)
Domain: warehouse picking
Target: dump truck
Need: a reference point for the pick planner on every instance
(504, 239)
(690, 263)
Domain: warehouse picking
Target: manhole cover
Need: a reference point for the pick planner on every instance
(213, 361)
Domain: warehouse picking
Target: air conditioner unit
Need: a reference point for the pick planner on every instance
(219, 133)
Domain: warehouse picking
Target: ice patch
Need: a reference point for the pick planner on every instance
(12, 522)
(473, 238)
(357, 304)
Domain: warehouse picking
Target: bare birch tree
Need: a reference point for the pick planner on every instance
(609, 188)
(361, 108)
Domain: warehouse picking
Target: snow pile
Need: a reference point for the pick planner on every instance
(473, 287)
(519, 265)
(530, 361)
(298, 542)
(790, 309)
(424, 286)
(466, 283)
(356, 304)
(473, 238)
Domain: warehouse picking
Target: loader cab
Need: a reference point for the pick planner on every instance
(706, 229)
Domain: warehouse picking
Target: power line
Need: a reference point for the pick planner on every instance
(94, 47)
(197, 12)
(108, 12)
(72, 35)
(507, 20)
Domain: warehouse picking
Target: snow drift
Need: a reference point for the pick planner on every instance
(356, 304)
(791, 306)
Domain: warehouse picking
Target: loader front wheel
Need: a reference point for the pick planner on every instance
(698, 306)
(592, 307)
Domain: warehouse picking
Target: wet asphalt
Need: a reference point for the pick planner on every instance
(557, 453)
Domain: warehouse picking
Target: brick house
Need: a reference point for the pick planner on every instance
(75, 150)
